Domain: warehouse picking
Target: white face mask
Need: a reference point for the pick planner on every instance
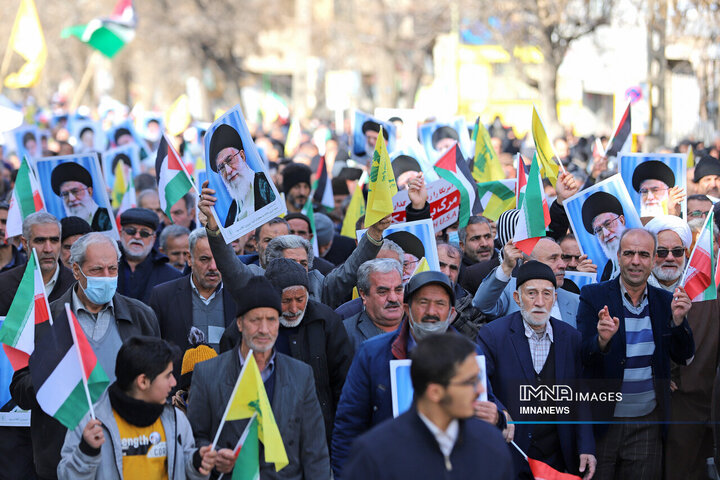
(421, 330)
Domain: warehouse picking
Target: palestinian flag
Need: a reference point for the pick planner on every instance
(26, 199)
(65, 372)
(621, 140)
(496, 197)
(323, 187)
(522, 186)
(531, 219)
(453, 168)
(485, 165)
(172, 178)
(107, 35)
(247, 453)
(29, 307)
(699, 278)
(308, 211)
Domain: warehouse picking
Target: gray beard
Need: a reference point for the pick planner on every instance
(292, 323)
(611, 249)
(527, 317)
(667, 275)
(86, 210)
(651, 210)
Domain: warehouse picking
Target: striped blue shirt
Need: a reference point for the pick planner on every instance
(637, 387)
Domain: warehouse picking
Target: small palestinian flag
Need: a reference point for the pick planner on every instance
(172, 178)
(452, 167)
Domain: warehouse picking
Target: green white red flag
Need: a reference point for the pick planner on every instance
(452, 167)
(522, 185)
(700, 275)
(173, 180)
(531, 219)
(26, 199)
(29, 307)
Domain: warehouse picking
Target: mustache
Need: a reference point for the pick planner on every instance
(136, 242)
(538, 310)
(392, 304)
(428, 318)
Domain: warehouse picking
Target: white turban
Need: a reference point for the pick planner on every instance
(673, 223)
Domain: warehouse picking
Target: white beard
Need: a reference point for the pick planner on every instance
(610, 249)
(240, 186)
(291, 323)
(668, 275)
(528, 318)
(86, 210)
(654, 210)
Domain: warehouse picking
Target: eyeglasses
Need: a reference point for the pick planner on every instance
(143, 233)
(606, 225)
(74, 192)
(632, 253)
(567, 258)
(472, 382)
(677, 252)
(654, 191)
(697, 214)
(226, 163)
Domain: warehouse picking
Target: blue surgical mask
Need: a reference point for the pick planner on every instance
(454, 238)
(99, 290)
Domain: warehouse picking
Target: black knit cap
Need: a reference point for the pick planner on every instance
(139, 216)
(69, 171)
(70, 226)
(258, 292)
(223, 137)
(293, 174)
(708, 165)
(652, 170)
(597, 203)
(284, 273)
(534, 270)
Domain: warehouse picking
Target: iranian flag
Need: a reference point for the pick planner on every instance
(247, 453)
(521, 186)
(107, 35)
(699, 279)
(26, 199)
(323, 187)
(172, 178)
(453, 167)
(29, 307)
(65, 372)
(531, 219)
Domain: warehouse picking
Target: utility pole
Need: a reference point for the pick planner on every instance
(656, 39)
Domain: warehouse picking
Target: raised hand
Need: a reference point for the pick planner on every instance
(607, 327)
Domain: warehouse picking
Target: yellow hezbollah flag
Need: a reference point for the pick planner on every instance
(382, 187)
(549, 168)
(292, 141)
(28, 41)
(423, 266)
(119, 185)
(250, 398)
(690, 157)
(486, 166)
(355, 210)
(177, 117)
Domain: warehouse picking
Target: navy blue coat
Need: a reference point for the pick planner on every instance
(509, 364)
(148, 274)
(671, 342)
(404, 448)
(366, 399)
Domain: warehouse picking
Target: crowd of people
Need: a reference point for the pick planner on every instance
(172, 311)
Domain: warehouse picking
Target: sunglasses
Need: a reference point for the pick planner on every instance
(677, 252)
(143, 233)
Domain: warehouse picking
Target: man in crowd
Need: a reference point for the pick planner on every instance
(673, 243)
(603, 216)
(495, 295)
(366, 396)
(438, 437)
(107, 319)
(249, 190)
(548, 353)
(707, 177)
(141, 267)
(380, 287)
(477, 243)
(698, 206)
(74, 184)
(288, 382)
(310, 332)
(631, 331)
(174, 245)
(10, 255)
(195, 302)
(183, 212)
(296, 186)
(300, 226)
(72, 228)
(263, 235)
(149, 199)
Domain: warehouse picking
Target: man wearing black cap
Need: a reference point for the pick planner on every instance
(72, 229)
(603, 216)
(655, 183)
(707, 176)
(288, 382)
(444, 138)
(310, 332)
(296, 186)
(249, 190)
(366, 398)
(142, 267)
(546, 352)
(74, 184)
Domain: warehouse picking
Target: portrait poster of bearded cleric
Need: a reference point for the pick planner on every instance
(246, 196)
(74, 186)
(598, 215)
(657, 183)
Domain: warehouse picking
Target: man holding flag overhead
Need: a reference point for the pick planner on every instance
(104, 317)
(256, 379)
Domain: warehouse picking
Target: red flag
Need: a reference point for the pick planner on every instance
(543, 471)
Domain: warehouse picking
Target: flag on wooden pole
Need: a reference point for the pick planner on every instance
(382, 187)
